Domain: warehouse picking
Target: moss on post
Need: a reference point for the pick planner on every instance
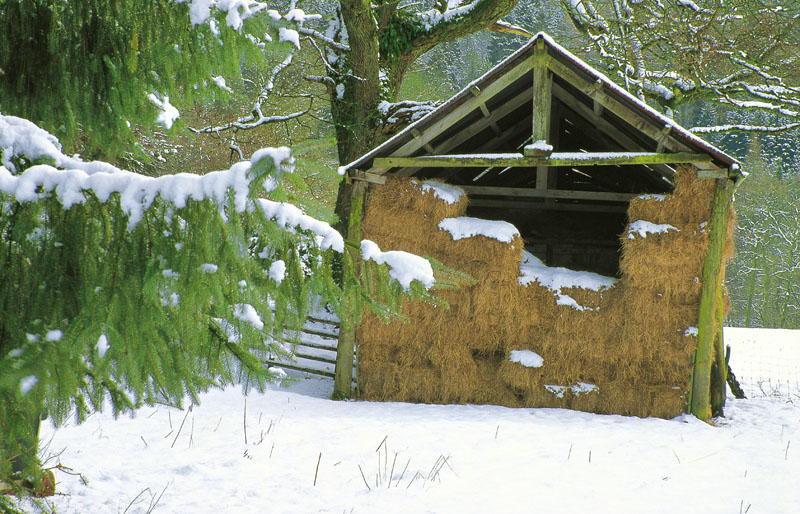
(355, 197)
(709, 329)
(719, 367)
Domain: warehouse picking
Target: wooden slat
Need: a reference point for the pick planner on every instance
(555, 159)
(549, 193)
(372, 178)
(319, 346)
(541, 206)
(331, 361)
(295, 367)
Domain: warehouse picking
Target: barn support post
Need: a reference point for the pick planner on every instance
(541, 94)
(354, 198)
(708, 393)
(719, 365)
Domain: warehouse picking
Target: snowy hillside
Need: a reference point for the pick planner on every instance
(294, 451)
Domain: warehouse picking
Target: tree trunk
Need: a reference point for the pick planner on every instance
(355, 110)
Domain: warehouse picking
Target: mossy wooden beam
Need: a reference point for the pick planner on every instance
(552, 206)
(373, 178)
(541, 94)
(554, 159)
(709, 326)
(719, 367)
(343, 374)
(549, 193)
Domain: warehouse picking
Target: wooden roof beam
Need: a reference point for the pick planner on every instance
(554, 159)
(602, 196)
(541, 206)
(542, 87)
(594, 116)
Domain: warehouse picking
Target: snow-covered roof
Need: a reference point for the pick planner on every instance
(403, 143)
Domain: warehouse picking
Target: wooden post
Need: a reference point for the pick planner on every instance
(719, 367)
(540, 130)
(709, 329)
(345, 350)
(541, 94)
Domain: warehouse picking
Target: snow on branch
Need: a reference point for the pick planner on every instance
(71, 178)
(720, 129)
(400, 114)
(665, 53)
(323, 39)
(289, 217)
(251, 121)
(238, 10)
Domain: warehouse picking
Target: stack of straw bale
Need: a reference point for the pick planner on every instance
(633, 342)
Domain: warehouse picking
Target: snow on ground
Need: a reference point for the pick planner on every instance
(264, 453)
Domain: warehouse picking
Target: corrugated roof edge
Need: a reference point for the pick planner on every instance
(405, 135)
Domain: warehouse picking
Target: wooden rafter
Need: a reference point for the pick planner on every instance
(464, 109)
(475, 129)
(615, 106)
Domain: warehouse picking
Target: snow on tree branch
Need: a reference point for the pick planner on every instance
(322, 38)
(676, 53)
(70, 177)
(21, 139)
(721, 129)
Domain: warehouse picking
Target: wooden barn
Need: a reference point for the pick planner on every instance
(597, 231)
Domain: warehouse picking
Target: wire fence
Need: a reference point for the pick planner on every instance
(765, 361)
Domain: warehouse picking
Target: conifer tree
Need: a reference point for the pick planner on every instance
(85, 71)
(124, 289)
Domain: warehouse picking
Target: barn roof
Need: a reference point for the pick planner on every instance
(544, 112)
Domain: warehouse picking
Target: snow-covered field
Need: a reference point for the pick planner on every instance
(294, 451)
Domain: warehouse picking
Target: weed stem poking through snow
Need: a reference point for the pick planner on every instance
(181, 427)
(316, 472)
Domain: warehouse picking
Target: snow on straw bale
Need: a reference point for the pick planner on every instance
(617, 345)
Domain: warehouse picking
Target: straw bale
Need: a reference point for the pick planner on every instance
(458, 372)
(519, 377)
(480, 251)
(689, 203)
(489, 387)
(631, 340)
(640, 400)
(406, 194)
(540, 397)
(389, 382)
(588, 299)
(687, 183)
(660, 252)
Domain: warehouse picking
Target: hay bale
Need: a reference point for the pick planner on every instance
(689, 203)
(489, 387)
(400, 196)
(631, 340)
